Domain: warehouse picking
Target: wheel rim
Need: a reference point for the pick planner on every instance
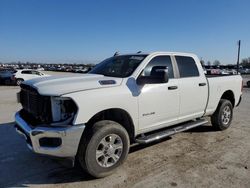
(109, 150)
(226, 115)
(19, 82)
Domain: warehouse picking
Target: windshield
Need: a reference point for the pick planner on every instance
(118, 66)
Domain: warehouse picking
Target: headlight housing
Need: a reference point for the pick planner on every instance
(63, 111)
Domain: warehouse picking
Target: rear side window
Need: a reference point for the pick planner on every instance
(164, 61)
(187, 66)
(35, 72)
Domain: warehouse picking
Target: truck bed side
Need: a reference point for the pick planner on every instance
(218, 86)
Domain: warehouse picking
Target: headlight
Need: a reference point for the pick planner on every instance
(63, 110)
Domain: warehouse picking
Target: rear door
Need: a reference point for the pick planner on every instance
(192, 87)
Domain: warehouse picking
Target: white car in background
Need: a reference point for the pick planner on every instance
(27, 74)
(232, 71)
(224, 72)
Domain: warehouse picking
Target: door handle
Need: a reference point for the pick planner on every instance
(202, 84)
(172, 87)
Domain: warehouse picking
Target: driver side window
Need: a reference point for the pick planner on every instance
(159, 61)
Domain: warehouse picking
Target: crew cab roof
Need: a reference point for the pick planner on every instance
(161, 52)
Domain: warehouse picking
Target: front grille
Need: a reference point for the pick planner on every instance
(35, 105)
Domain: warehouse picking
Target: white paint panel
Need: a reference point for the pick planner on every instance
(158, 106)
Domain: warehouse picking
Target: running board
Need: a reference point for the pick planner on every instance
(168, 132)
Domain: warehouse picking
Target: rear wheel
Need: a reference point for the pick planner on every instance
(103, 148)
(19, 81)
(222, 117)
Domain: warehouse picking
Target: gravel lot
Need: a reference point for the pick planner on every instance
(201, 157)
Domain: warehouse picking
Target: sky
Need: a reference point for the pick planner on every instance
(64, 31)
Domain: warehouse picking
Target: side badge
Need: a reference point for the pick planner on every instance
(107, 82)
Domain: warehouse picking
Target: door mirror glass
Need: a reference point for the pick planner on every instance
(158, 74)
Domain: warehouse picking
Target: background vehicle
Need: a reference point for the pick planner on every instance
(214, 71)
(248, 83)
(40, 69)
(244, 71)
(26, 74)
(232, 71)
(5, 76)
(126, 99)
(224, 72)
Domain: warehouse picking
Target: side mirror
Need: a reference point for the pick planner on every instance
(161, 73)
(158, 74)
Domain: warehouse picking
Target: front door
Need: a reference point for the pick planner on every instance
(158, 102)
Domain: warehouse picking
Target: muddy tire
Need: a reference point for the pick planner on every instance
(222, 117)
(103, 147)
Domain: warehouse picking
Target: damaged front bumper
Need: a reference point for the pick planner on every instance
(53, 141)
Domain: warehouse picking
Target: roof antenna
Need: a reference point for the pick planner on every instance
(138, 52)
(116, 54)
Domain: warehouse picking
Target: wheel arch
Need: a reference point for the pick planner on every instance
(229, 95)
(18, 78)
(118, 115)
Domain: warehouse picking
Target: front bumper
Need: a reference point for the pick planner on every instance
(69, 137)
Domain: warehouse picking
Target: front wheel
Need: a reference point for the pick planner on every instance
(222, 117)
(103, 148)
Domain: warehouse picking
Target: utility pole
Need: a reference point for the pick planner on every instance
(238, 59)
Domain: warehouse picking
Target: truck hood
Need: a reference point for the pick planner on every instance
(58, 85)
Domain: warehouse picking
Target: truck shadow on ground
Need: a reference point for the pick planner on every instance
(31, 169)
(200, 129)
(203, 128)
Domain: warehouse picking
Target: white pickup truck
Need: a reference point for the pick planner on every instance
(126, 99)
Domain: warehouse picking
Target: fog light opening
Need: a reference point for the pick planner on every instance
(50, 142)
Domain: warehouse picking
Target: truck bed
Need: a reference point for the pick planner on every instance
(218, 75)
(218, 85)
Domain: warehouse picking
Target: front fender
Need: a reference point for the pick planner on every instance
(91, 102)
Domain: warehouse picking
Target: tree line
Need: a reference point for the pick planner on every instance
(216, 63)
(245, 62)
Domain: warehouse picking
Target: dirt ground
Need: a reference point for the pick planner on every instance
(200, 157)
